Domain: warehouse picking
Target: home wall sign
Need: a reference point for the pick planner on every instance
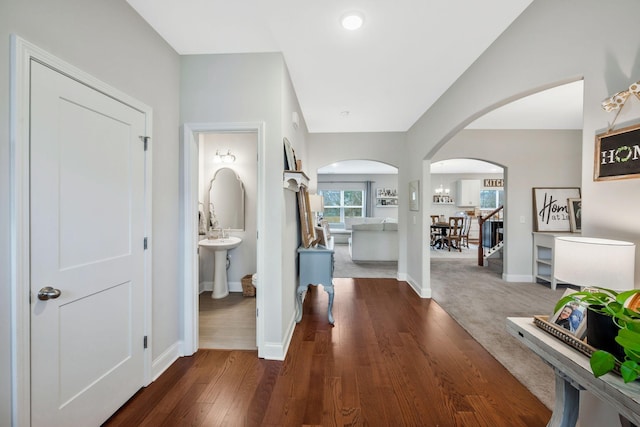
(617, 154)
(551, 208)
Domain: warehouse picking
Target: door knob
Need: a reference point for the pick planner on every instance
(48, 293)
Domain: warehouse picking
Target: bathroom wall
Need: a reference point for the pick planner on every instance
(244, 147)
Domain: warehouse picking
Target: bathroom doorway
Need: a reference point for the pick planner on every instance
(228, 321)
(227, 189)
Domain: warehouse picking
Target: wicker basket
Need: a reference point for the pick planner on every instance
(248, 290)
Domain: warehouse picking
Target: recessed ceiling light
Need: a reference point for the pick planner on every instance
(352, 20)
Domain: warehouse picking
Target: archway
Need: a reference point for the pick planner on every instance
(358, 195)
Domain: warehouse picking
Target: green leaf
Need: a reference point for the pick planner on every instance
(629, 371)
(629, 339)
(601, 362)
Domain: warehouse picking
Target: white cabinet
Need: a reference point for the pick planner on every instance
(543, 247)
(468, 192)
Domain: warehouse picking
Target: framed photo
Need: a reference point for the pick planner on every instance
(321, 238)
(326, 229)
(550, 209)
(575, 214)
(414, 195)
(616, 154)
(572, 317)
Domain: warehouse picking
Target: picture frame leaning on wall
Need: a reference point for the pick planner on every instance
(550, 209)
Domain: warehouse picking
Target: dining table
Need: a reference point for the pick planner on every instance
(442, 227)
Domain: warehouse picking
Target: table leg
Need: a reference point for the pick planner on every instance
(567, 404)
(329, 290)
(624, 422)
(299, 293)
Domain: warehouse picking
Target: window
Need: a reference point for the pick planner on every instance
(341, 204)
(491, 199)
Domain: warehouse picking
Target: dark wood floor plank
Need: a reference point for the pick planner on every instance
(392, 358)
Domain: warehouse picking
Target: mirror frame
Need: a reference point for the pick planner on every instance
(242, 201)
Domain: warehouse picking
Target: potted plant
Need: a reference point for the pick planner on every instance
(612, 304)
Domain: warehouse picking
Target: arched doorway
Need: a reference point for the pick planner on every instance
(358, 194)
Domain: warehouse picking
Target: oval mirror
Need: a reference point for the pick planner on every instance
(226, 200)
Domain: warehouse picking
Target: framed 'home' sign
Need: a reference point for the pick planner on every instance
(551, 208)
(618, 154)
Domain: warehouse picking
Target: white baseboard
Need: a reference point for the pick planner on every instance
(518, 278)
(162, 362)
(207, 285)
(421, 292)
(278, 351)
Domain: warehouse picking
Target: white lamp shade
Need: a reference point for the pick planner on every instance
(316, 203)
(588, 261)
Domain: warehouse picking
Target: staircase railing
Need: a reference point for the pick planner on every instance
(481, 221)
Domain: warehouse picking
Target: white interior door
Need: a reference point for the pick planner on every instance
(87, 231)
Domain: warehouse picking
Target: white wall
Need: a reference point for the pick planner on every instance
(551, 43)
(96, 36)
(540, 158)
(256, 88)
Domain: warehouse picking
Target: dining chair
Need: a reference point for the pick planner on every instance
(453, 234)
(435, 232)
(464, 234)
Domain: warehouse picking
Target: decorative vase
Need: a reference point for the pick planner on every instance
(601, 334)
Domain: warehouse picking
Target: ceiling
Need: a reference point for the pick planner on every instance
(451, 166)
(379, 78)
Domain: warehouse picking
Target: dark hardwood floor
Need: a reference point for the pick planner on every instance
(392, 359)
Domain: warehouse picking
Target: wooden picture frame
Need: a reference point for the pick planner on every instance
(575, 214)
(550, 210)
(326, 229)
(306, 222)
(616, 154)
(323, 233)
(320, 236)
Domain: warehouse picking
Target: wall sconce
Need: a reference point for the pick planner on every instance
(224, 158)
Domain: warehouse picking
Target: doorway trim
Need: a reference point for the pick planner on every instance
(189, 225)
(22, 52)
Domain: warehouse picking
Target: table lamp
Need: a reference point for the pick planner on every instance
(590, 261)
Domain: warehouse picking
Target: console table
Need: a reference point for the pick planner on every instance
(316, 268)
(573, 373)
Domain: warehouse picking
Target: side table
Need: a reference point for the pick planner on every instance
(316, 268)
(573, 374)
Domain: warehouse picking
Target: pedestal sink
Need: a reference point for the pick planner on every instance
(220, 248)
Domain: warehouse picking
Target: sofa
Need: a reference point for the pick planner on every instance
(374, 241)
(342, 231)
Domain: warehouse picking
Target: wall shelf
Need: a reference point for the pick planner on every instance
(386, 198)
(293, 180)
